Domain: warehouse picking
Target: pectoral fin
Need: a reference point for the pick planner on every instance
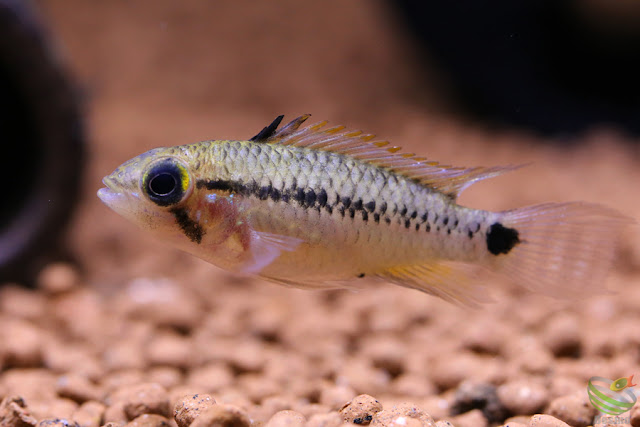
(266, 248)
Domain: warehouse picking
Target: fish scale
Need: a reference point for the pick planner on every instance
(316, 207)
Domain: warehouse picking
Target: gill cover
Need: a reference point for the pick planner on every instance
(166, 182)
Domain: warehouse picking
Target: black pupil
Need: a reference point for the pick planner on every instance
(163, 184)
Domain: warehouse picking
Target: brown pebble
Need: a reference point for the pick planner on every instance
(329, 419)
(544, 420)
(222, 416)
(57, 422)
(14, 413)
(335, 396)
(518, 419)
(634, 416)
(53, 408)
(149, 420)
(89, 414)
(473, 418)
(149, 398)
(286, 418)
(58, 278)
(444, 423)
(361, 409)
(169, 349)
(78, 388)
(401, 415)
(189, 407)
(574, 409)
(562, 336)
(22, 344)
(523, 396)
(514, 424)
(115, 414)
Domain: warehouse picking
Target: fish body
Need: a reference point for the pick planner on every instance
(314, 207)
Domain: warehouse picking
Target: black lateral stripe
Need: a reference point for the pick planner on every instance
(189, 227)
(308, 198)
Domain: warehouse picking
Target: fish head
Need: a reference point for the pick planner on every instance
(148, 187)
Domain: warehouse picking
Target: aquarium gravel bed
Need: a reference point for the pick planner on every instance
(135, 333)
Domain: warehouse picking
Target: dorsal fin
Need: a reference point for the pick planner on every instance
(269, 131)
(450, 180)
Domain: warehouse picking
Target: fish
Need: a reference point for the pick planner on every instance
(320, 207)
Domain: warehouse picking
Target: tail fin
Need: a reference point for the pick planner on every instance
(565, 249)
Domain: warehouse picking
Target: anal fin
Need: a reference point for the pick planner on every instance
(455, 282)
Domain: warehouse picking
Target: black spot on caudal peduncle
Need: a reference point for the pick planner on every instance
(189, 227)
(501, 239)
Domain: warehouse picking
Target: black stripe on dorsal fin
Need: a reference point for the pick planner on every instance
(268, 131)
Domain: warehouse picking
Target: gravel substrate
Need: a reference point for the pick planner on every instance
(138, 334)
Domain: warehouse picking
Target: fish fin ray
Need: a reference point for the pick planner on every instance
(455, 282)
(450, 180)
(309, 284)
(266, 248)
(565, 250)
(268, 131)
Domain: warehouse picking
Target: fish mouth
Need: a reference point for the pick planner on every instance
(108, 195)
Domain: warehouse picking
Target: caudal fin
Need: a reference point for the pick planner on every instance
(564, 249)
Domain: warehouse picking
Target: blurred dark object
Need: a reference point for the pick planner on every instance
(41, 139)
(554, 66)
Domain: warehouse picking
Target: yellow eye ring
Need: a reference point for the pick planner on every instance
(166, 182)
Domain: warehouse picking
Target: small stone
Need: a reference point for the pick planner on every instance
(115, 414)
(149, 398)
(286, 418)
(335, 396)
(360, 410)
(573, 409)
(189, 407)
(22, 344)
(57, 422)
(149, 420)
(402, 414)
(58, 278)
(14, 413)
(89, 414)
(562, 336)
(444, 423)
(474, 395)
(514, 424)
(329, 419)
(474, 418)
(634, 416)
(77, 388)
(518, 419)
(523, 396)
(543, 420)
(222, 416)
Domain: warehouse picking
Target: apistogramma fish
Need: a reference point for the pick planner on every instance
(317, 206)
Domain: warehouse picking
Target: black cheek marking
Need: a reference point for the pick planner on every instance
(310, 198)
(376, 217)
(365, 216)
(387, 220)
(407, 223)
(322, 198)
(361, 275)
(403, 212)
(371, 206)
(357, 205)
(501, 239)
(383, 208)
(189, 227)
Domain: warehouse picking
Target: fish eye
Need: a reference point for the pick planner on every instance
(166, 182)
